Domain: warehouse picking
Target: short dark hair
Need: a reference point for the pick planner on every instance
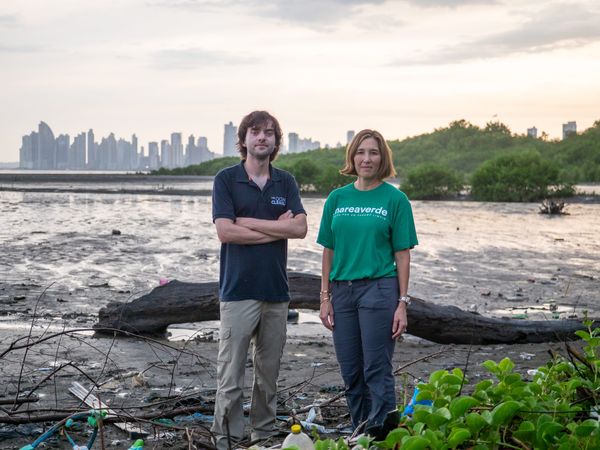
(386, 168)
(256, 119)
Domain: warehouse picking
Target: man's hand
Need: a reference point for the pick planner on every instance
(287, 225)
(286, 215)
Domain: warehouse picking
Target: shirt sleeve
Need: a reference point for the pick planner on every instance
(325, 237)
(404, 234)
(222, 200)
(294, 202)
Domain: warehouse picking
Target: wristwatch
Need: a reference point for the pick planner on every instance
(404, 299)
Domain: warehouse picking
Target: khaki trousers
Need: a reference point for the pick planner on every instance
(243, 322)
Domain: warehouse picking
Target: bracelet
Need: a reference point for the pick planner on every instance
(404, 299)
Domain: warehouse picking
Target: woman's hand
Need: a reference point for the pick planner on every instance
(326, 314)
(400, 322)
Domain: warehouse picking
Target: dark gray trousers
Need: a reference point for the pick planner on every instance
(362, 336)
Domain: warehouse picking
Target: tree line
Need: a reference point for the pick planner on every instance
(489, 163)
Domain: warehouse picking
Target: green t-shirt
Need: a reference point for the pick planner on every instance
(364, 229)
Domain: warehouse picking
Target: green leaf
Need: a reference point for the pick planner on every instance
(458, 436)
(526, 431)
(476, 422)
(435, 376)
(490, 365)
(459, 406)
(415, 443)
(504, 412)
(451, 379)
(438, 418)
(583, 334)
(484, 385)
(458, 372)
(548, 431)
(393, 438)
(506, 365)
(512, 378)
(586, 427)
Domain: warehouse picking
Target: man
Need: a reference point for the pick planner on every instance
(256, 208)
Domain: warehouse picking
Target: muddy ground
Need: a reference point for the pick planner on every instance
(179, 375)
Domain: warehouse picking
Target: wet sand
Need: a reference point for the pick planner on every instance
(497, 259)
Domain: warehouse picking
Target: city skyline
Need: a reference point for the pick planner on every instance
(42, 150)
(322, 67)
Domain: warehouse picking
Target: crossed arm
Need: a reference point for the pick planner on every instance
(250, 231)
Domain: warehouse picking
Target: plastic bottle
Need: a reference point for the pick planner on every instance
(137, 445)
(298, 439)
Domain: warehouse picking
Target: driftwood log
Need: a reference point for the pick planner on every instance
(178, 302)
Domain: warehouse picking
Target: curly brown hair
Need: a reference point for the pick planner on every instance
(256, 119)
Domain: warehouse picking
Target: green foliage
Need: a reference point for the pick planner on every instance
(329, 179)
(558, 409)
(461, 147)
(518, 177)
(432, 182)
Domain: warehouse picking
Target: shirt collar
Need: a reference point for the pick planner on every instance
(242, 176)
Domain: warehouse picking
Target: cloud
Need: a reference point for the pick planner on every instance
(311, 13)
(8, 20)
(449, 3)
(195, 58)
(19, 48)
(561, 26)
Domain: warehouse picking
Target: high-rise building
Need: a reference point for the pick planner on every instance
(569, 128)
(45, 153)
(349, 136)
(166, 158)
(77, 152)
(92, 157)
(293, 142)
(532, 132)
(177, 150)
(63, 143)
(153, 158)
(229, 140)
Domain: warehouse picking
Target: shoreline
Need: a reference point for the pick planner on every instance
(578, 199)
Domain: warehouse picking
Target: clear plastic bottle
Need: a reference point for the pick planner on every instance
(298, 439)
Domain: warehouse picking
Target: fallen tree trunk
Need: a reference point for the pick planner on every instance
(178, 302)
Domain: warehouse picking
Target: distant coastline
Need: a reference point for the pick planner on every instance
(145, 184)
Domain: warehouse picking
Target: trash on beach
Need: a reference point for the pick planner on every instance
(410, 408)
(163, 281)
(526, 356)
(116, 232)
(532, 372)
(520, 316)
(195, 417)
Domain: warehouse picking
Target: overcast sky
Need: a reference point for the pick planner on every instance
(323, 67)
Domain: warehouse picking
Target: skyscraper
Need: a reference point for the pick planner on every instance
(532, 132)
(176, 150)
(293, 142)
(92, 157)
(349, 136)
(229, 140)
(569, 128)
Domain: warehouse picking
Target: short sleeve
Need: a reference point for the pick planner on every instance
(404, 234)
(294, 203)
(325, 237)
(222, 200)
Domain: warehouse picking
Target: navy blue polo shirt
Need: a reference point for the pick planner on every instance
(258, 271)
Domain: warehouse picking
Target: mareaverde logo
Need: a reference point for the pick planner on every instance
(280, 201)
(361, 211)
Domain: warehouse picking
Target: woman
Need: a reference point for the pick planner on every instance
(367, 231)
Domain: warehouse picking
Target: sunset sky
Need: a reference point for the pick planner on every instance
(152, 67)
